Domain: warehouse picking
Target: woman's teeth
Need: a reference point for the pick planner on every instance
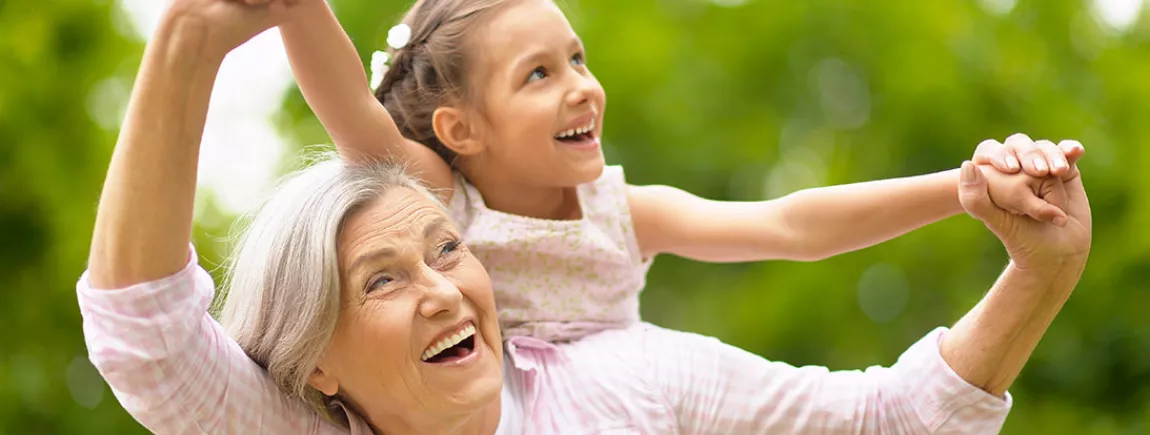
(448, 342)
(572, 132)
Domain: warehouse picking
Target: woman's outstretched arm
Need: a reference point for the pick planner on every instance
(989, 346)
(952, 382)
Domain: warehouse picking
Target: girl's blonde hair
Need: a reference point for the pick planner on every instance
(281, 297)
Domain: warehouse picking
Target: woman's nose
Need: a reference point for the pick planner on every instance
(440, 294)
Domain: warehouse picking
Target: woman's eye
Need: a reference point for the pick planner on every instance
(379, 282)
(539, 73)
(449, 247)
(578, 59)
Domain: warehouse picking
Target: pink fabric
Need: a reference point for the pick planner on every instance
(173, 368)
(559, 280)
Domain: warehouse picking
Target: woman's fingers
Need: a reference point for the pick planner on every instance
(994, 153)
(975, 198)
(1041, 210)
(1073, 150)
(1037, 158)
(1055, 158)
(1032, 158)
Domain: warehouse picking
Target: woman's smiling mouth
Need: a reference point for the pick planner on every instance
(452, 348)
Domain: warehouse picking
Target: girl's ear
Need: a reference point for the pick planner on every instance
(455, 130)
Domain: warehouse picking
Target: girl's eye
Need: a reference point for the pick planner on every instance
(578, 59)
(449, 247)
(539, 73)
(379, 282)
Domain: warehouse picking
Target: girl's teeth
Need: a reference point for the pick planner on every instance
(580, 130)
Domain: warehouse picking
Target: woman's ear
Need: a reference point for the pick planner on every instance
(324, 382)
(456, 131)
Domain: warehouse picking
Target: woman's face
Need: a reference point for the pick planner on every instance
(418, 337)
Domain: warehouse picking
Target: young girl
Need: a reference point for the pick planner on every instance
(492, 103)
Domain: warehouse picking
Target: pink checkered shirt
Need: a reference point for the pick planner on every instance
(175, 370)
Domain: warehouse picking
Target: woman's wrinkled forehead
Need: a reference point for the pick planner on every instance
(402, 219)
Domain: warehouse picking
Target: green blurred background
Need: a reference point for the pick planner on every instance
(728, 99)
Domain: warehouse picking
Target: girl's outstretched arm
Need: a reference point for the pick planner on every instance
(333, 82)
(807, 225)
(815, 223)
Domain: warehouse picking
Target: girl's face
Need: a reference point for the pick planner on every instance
(542, 109)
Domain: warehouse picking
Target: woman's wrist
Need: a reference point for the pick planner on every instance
(989, 346)
(305, 11)
(1053, 268)
(184, 41)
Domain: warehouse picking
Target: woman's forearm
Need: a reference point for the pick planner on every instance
(144, 220)
(989, 346)
(837, 219)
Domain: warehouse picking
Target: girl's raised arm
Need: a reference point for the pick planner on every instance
(334, 84)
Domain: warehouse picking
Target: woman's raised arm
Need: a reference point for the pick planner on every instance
(144, 220)
(144, 300)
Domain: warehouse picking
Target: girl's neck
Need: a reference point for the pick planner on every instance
(555, 203)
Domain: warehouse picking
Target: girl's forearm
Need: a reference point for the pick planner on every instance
(333, 82)
(837, 219)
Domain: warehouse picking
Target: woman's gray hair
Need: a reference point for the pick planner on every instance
(281, 294)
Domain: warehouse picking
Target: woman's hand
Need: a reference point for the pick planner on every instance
(1036, 158)
(990, 345)
(226, 24)
(1034, 245)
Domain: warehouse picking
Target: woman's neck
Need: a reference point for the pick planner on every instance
(555, 203)
(483, 422)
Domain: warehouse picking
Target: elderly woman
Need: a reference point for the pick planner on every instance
(354, 307)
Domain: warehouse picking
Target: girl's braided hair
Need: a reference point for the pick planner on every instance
(430, 70)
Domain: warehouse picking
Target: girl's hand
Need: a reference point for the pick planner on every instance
(1023, 195)
(1020, 193)
(1036, 158)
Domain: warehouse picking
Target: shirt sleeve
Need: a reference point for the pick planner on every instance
(714, 388)
(172, 366)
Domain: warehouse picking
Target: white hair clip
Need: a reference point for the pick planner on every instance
(399, 36)
(378, 68)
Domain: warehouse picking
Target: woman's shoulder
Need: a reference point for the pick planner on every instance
(600, 382)
(174, 368)
(609, 353)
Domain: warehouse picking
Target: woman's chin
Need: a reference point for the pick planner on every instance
(469, 382)
(475, 393)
